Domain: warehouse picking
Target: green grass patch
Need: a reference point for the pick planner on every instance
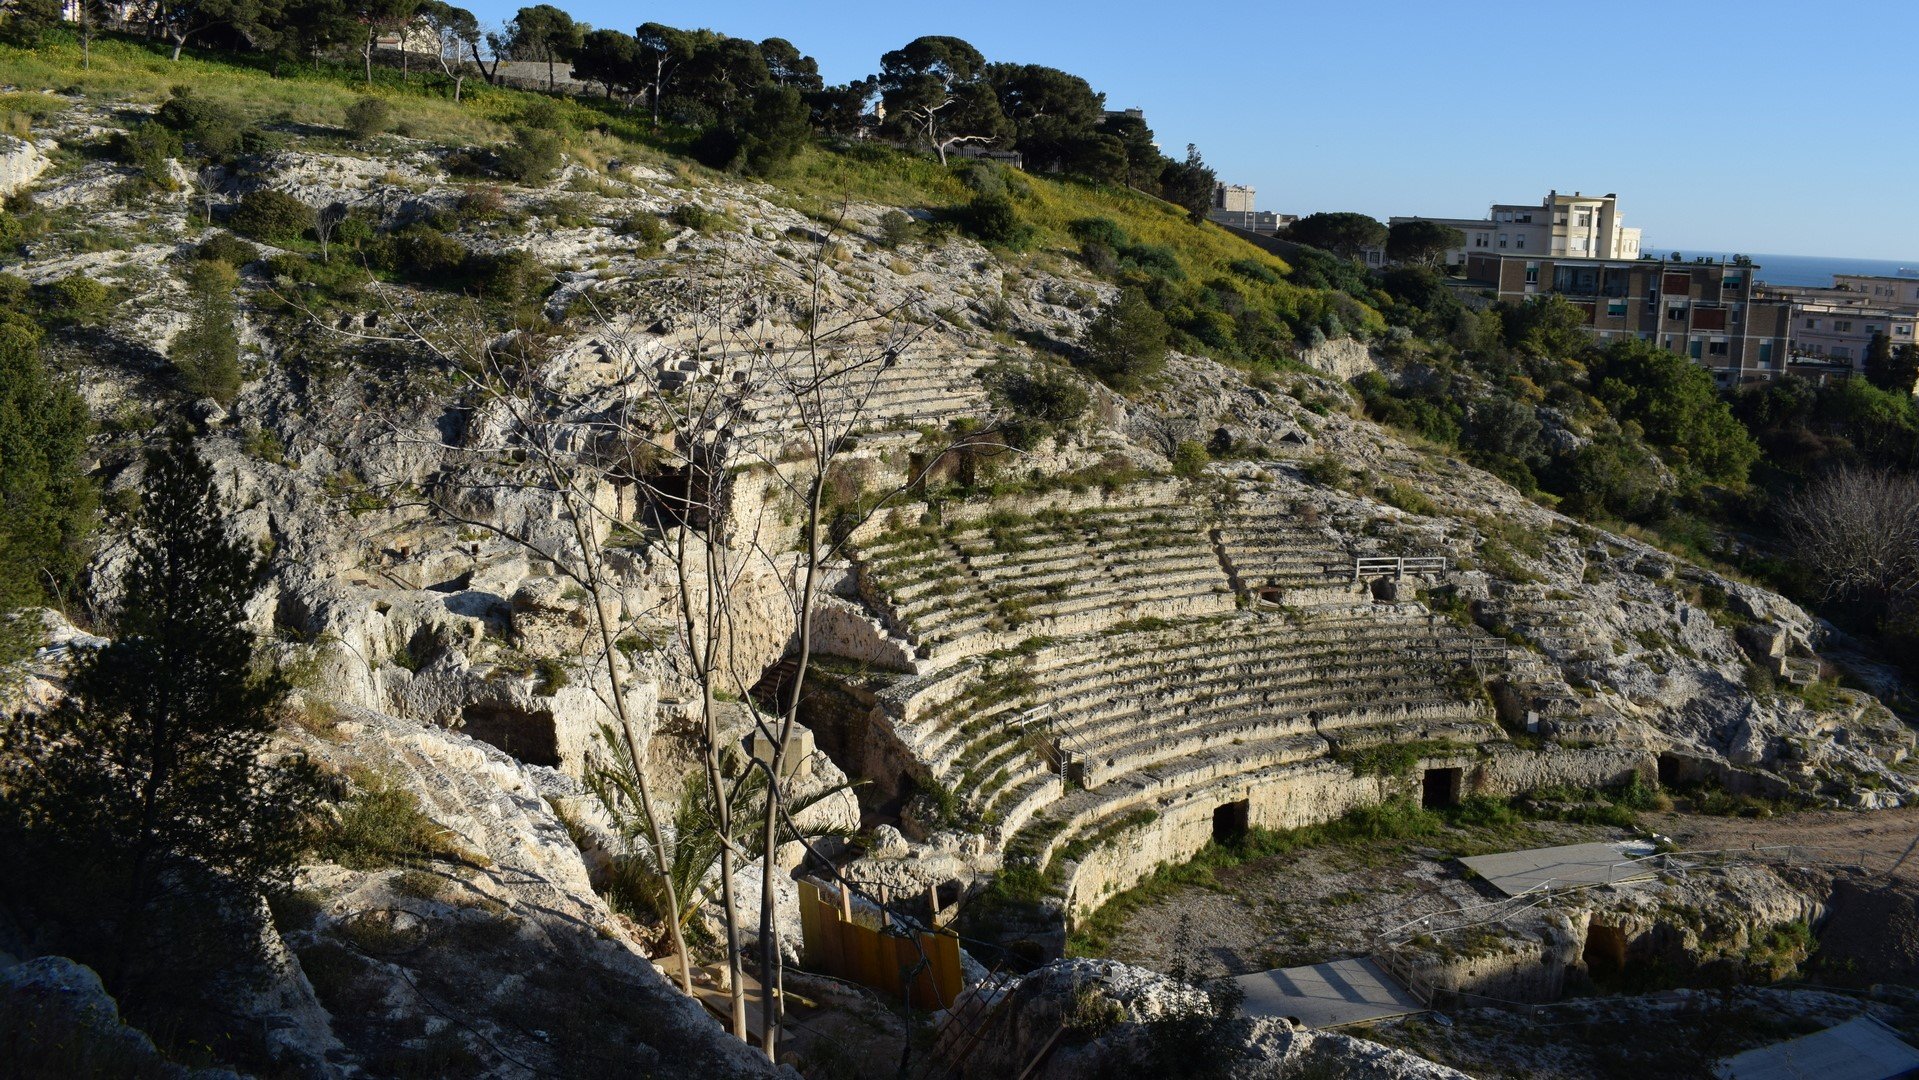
(381, 824)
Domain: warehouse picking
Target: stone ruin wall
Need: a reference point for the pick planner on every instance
(1316, 795)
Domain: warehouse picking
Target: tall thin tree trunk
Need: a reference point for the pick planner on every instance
(704, 648)
(605, 624)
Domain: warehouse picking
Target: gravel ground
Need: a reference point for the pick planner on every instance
(1320, 904)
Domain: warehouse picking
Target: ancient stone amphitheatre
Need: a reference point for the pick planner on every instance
(561, 482)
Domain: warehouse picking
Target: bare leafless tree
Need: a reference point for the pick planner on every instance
(746, 399)
(1855, 530)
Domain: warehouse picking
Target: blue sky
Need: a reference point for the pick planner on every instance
(1760, 126)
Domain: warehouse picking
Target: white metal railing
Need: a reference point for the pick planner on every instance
(1398, 566)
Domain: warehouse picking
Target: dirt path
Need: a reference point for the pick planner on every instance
(1877, 840)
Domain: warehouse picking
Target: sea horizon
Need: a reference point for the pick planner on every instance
(1805, 270)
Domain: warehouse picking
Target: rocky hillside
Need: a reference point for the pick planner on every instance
(1066, 662)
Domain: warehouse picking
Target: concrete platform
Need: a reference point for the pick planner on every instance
(1327, 995)
(1545, 869)
(1861, 1049)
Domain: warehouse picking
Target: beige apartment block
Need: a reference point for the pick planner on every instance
(1836, 325)
(1892, 293)
(1574, 226)
(1705, 310)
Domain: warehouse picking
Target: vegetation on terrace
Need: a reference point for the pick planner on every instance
(1220, 295)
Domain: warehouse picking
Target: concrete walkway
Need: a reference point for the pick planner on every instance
(1518, 872)
(1327, 995)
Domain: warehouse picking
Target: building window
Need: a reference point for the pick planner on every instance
(1765, 353)
(1696, 347)
(1812, 324)
(1502, 239)
(1840, 352)
(1842, 325)
(1532, 273)
(1479, 240)
(1677, 313)
(1519, 241)
(1715, 348)
(1616, 308)
(1902, 331)
(1584, 218)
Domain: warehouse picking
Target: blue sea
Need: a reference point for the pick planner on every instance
(1810, 269)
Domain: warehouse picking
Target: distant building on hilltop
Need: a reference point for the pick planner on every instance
(1576, 226)
(1706, 310)
(1233, 205)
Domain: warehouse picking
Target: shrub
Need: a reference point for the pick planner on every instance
(368, 116)
(1099, 230)
(1253, 269)
(146, 148)
(16, 292)
(479, 203)
(77, 299)
(1189, 459)
(425, 252)
(691, 216)
(382, 825)
(1326, 471)
(1038, 403)
(645, 230)
(509, 277)
(1126, 343)
(207, 352)
(532, 157)
(895, 229)
(272, 216)
(226, 248)
(993, 219)
(216, 129)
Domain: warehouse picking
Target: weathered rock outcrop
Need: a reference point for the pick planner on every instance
(1089, 1018)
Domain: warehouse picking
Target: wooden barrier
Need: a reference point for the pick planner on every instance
(833, 944)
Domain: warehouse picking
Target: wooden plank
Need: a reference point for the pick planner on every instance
(811, 928)
(947, 976)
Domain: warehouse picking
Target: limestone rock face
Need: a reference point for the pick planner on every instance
(21, 163)
(423, 588)
(504, 960)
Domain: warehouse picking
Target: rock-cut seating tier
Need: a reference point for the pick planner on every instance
(978, 584)
(991, 576)
(1274, 555)
(904, 394)
(1137, 716)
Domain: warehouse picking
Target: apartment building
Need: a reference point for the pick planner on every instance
(1705, 310)
(1233, 205)
(1576, 225)
(1836, 325)
(1892, 293)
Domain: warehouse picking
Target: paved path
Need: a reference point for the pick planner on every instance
(1327, 995)
(1517, 872)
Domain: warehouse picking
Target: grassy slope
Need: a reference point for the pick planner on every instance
(308, 96)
